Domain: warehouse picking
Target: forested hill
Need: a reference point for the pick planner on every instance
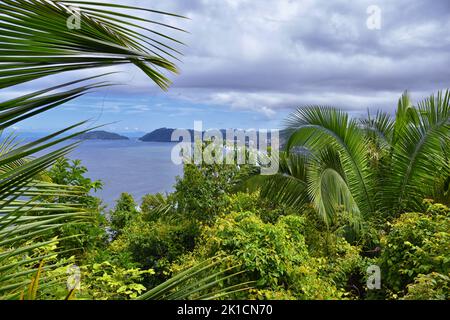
(159, 135)
(101, 135)
(165, 135)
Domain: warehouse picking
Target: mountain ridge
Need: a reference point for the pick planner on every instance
(101, 135)
(164, 134)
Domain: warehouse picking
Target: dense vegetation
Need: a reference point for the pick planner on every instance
(48, 221)
(159, 135)
(283, 252)
(350, 194)
(270, 248)
(101, 135)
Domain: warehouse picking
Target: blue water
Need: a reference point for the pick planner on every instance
(129, 166)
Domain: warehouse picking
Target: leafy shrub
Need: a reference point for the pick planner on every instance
(91, 235)
(201, 194)
(101, 281)
(268, 212)
(124, 211)
(274, 256)
(432, 286)
(344, 266)
(72, 173)
(156, 244)
(418, 244)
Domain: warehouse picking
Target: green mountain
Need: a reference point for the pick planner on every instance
(101, 135)
(165, 135)
(159, 135)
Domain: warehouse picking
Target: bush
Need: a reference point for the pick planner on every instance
(124, 211)
(432, 286)
(156, 244)
(274, 256)
(268, 212)
(91, 235)
(418, 244)
(202, 192)
(101, 281)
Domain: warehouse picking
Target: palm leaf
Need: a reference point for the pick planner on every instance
(195, 280)
(288, 186)
(36, 41)
(317, 128)
(417, 158)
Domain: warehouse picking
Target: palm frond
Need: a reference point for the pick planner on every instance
(37, 42)
(417, 158)
(329, 191)
(317, 128)
(199, 281)
(288, 186)
(379, 128)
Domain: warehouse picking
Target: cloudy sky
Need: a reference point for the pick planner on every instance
(248, 63)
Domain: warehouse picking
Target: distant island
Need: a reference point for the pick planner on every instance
(159, 135)
(165, 135)
(101, 135)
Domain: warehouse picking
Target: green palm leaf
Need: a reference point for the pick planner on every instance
(317, 128)
(367, 167)
(289, 186)
(418, 162)
(197, 282)
(37, 42)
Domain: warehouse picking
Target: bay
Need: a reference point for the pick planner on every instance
(129, 166)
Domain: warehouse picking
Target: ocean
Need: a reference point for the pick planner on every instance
(129, 166)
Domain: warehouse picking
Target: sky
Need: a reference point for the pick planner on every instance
(249, 63)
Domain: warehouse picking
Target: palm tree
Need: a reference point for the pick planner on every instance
(371, 168)
(36, 42)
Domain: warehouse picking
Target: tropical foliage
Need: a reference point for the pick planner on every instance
(369, 169)
(286, 253)
(350, 193)
(40, 212)
(417, 249)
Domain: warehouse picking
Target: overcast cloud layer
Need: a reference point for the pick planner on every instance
(266, 56)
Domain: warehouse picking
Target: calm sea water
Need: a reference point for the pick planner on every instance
(129, 166)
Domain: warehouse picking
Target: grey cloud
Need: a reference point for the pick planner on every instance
(264, 55)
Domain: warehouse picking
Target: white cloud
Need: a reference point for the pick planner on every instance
(267, 55)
